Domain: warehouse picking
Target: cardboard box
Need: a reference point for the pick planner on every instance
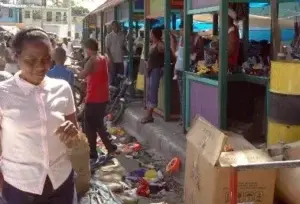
(206, 182)
(288, 180)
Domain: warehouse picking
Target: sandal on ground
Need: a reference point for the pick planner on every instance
(147, 120)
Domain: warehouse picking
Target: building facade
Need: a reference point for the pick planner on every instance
(9, 16)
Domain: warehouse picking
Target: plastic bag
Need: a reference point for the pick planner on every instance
(99, 194)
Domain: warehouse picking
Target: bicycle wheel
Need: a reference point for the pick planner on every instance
(78, 96)
(117, 111)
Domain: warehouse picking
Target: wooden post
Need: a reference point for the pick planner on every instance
(215, 24)
(167, 68)
(246, 33)
(116, 13)
(102, 27)
(223, 64)
(188, 21)
(275, 29)
(174, 21)
(130, 56)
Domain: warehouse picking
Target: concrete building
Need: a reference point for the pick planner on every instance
(9, 16)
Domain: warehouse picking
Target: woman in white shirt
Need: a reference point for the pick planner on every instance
(37, 119)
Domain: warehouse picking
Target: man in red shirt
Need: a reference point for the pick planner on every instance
(97, 97)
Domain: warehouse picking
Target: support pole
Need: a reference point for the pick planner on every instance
(147, 38)
(188, 21)
(223, 64)
(102, 33)
(167, 67)
(130, 55)
(115, 13)
(215, 24)
(174, 21)
(246, 33)
(275, 29)
(69, 18)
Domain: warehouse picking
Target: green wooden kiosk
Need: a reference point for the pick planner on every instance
(131, 11)
(240, 97)
(117, 10)
(88, 24)
(168, 102)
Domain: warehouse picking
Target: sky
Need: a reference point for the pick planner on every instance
(91, 4)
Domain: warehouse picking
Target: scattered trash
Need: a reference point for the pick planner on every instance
(147, 181)
(99, 193)
(150, 175)
(130, 148)
(173, 166)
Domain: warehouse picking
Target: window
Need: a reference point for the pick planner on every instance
(65, 17)
(36, 15)
(74, 19)
(58, 16)
(10, 13)
(27, 14)
(49, 16)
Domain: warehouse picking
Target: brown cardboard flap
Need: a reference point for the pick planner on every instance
(235, 158)
(207, 139)
(238, 142)
(292, 151)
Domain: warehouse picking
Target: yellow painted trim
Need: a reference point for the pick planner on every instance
(282, 133)
(284, 78)
(140, 82)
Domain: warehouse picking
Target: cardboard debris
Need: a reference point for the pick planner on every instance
(288, 180)
(206, 182)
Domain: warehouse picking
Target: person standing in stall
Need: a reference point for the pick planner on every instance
(115, 44)
(233, 41)
(177, 48)
(154, 71)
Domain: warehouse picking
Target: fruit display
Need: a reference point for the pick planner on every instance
(202, 69)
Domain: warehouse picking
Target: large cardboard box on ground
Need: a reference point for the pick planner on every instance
(206, 182)
(288, 180)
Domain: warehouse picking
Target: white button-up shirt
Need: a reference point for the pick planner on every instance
(29, 117)
(115, 43)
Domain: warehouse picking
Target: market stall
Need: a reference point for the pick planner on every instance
(89, 24)
(131, 12)
(168, 102)
(224, 98)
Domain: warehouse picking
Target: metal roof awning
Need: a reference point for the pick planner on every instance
(107, 4)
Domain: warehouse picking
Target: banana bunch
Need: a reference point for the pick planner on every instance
(215, 68)
(201, 68)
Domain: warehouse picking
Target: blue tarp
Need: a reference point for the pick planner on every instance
(258, 5)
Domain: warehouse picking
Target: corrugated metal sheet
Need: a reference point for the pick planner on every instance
(108, 4)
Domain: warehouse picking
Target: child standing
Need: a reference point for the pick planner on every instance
(59, 70)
